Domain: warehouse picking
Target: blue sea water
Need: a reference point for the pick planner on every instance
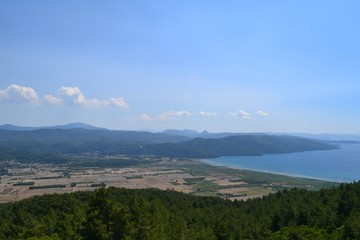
(340, 165)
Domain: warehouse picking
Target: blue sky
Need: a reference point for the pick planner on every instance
(240, 66)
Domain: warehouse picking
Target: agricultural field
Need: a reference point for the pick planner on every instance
(20, 181)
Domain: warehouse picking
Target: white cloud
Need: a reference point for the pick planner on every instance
(95, 103)
(207, 114)
(3, 94)
(18, 93)
(173, 114)
(144, 117)
(241, 114)
(74, 95)
(119, 102)
(262, 113)
(53, 100)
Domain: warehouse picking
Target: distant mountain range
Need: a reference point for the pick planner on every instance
(18, 143)
(184, 133)
(187, 133)
(195, 134)
(323, 136)
(66, 126)
(329, 136)
(236, 145)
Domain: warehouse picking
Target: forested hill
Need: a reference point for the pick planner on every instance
(49, 137)
(154, 214)
(252, 144)
(21, 144)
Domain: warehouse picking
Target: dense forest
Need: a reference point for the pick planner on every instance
(153, 214)
(50, 145)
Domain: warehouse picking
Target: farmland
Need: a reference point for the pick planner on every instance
(22, 180)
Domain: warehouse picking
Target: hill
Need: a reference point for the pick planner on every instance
(48, 137)
(66, 126)
(203, 134)
(31, 144)
(152, 214)
(12, 127)
(185, 132)
(240, 145)
(49, 144)
(330, 137)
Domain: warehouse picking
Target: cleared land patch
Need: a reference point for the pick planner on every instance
(189, 176)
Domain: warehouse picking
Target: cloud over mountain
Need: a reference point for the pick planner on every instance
(173, 114)
(262, 113)
(73, 95)
(16, 93)
(53, 100)
(241, 114)
(246, 115)
(145, 117)
(119, 102)
(207, 114)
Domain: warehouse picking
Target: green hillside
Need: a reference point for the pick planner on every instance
(152, 214)
(236, 146)
(50, 144)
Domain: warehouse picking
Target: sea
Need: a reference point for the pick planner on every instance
(338, 165)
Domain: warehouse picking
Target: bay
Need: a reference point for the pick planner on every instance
(340, 165)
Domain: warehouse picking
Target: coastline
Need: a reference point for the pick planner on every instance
(339, 165)
(269, 180)
(215, 164)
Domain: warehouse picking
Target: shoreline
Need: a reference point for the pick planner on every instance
(214, 164)
(339, 165)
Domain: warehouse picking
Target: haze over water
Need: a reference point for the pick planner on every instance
(341, 165)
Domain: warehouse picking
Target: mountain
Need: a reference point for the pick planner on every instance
(330, 137)
(206, 134)
(16, 128)
(203, 134)
(50, 136)
(73, 125)
(239, 145)
(24, 144)
(185, 132)
(66, 126)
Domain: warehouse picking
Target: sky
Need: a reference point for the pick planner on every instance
(235, 66)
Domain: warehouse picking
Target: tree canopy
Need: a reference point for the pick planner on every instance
(116, 213)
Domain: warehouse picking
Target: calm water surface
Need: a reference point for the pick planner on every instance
(341, 165)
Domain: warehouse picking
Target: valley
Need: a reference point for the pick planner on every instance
(24, 180)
